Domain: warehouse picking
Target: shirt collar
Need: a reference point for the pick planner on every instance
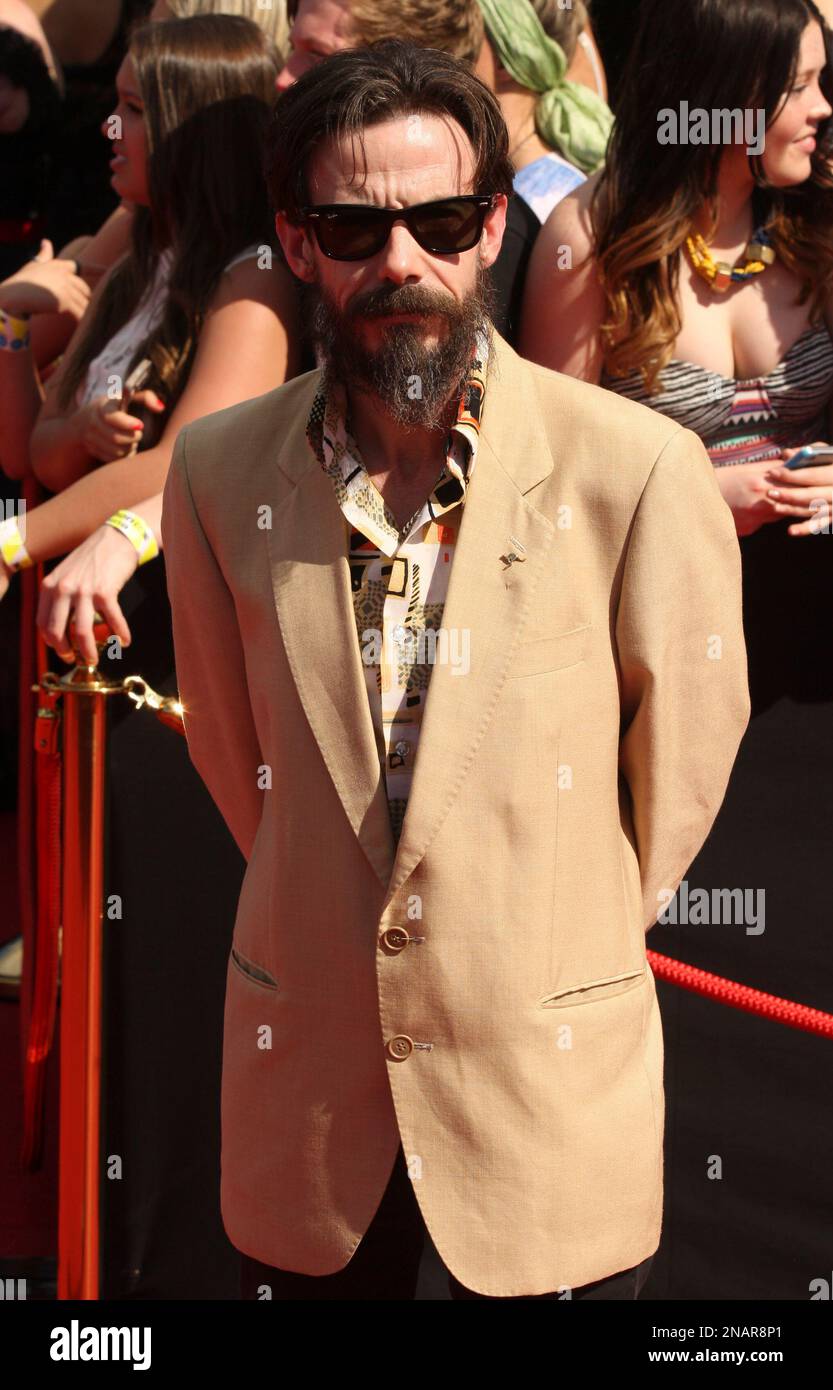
(337, 452)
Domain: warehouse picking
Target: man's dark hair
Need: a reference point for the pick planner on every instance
(359, 87)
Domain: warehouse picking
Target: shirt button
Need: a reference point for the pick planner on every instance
(400, 1047)
(396, 938)
(402, 747)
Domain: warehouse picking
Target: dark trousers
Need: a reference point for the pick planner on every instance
(386, 1263)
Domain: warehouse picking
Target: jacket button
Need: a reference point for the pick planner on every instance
(396, 938)
(400, 1047)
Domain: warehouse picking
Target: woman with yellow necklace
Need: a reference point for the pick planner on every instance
(662, 300)
(694, 274)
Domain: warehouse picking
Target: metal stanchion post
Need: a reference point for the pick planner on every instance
(83, 829)
(84, 745)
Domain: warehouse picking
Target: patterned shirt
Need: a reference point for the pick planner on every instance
(399, 579)
(545, 181)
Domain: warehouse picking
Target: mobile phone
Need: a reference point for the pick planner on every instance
(135, 380)
(812, 455)
(134, 383)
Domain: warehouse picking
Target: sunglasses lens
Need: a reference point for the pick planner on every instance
(450, 226)
(354, 234)
(351, 235)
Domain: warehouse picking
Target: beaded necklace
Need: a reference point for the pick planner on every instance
(719, 275)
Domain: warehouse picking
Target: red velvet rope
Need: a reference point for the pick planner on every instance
(751, 1001)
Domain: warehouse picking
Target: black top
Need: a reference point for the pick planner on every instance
(509, 270)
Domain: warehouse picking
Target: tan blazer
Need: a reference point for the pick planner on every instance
(512, 1038)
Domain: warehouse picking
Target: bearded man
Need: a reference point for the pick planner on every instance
(459, 643)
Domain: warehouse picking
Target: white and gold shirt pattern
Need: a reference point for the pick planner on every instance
(399, 579)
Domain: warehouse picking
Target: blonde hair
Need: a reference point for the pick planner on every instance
(269, 15)
(454, 26)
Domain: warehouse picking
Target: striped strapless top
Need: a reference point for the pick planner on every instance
(745, 421)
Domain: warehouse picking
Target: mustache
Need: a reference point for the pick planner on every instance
(404, 299)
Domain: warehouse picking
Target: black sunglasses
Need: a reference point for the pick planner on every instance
(356, 231)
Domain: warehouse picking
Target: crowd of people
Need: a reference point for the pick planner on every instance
(143, 286)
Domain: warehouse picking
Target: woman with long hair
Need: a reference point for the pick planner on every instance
(694, 274)
(198, 307)
(95, 252)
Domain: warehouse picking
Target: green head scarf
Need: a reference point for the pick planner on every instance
(569, 117)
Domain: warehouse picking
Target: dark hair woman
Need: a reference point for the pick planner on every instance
(198, 308)
(693, 274)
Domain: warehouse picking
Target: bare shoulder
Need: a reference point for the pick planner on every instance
(254, 419)
(569, 222)
(563, 304)
(258, 277)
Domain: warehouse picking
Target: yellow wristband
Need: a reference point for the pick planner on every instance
(15, 334)
(12, 549)
(137, 531)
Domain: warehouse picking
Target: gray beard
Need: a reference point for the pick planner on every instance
(415, 385)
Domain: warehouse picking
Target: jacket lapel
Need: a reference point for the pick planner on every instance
(311, 584)
(487, 602)
(486, 608)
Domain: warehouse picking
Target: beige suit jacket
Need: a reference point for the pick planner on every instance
(562, 782)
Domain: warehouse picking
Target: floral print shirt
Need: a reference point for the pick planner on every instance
(399, 578)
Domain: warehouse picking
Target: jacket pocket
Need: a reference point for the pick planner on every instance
(592, 990)
(252, 971)
(551, 653)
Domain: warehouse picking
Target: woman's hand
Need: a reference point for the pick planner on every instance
(89, 578)
(45, 285)
(804, 492)
(108, 432)
(745, 487)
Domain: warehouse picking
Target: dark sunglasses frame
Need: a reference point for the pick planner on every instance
(319, 215)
